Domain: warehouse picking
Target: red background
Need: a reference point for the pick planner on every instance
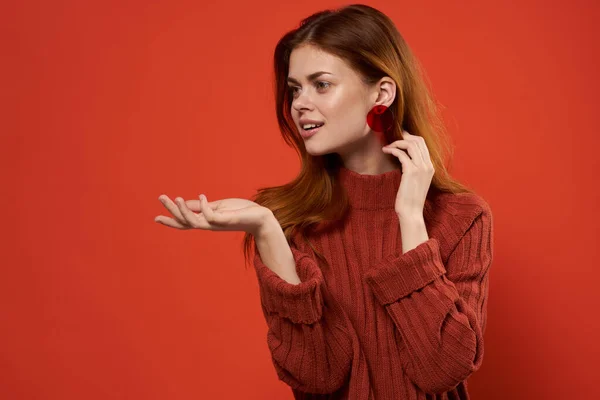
(108, 104)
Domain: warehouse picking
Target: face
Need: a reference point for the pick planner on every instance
(339, 99)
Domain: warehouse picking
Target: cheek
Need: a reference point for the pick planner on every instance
(343, 110)
(351, 117)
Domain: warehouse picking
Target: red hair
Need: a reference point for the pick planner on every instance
(368, 41)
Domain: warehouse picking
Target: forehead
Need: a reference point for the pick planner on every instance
(307, 59)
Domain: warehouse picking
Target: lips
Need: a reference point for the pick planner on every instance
(308, 133)
(304, 121)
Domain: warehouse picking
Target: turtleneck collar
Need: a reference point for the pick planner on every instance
(371, 192)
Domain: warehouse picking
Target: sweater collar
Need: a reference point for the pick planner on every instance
(371, 192)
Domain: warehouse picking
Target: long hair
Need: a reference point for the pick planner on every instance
(368, 41)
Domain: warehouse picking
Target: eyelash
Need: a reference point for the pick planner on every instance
(293, 88)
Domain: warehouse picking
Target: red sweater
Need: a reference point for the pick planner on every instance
(378, 324)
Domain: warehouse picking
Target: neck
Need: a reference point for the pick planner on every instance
(370, 192)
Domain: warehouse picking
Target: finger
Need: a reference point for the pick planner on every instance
(161, 219)
(402, 156)
(191, 218)
(417, 140)
(194, 205)
(415, 153)
(211, 216)
(173, 209)
(425, 152)
(424, 149)
(413, 150)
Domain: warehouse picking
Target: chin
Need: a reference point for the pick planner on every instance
(317, 150)
(317, 153)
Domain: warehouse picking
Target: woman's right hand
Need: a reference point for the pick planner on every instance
(220, 215)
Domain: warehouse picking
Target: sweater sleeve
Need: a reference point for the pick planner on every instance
(439, 310)
(308, 339)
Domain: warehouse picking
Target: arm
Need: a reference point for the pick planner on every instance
(307, 336)
(439, 310)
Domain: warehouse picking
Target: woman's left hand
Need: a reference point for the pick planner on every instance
(417, 173)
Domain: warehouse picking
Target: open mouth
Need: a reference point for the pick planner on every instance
(312, 128)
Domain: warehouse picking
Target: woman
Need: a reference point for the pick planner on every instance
(373, 264)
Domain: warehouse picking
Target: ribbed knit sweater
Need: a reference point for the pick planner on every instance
(377, 324)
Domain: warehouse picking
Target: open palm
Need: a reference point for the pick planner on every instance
(233, 214)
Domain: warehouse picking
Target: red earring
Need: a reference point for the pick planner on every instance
(380, 118)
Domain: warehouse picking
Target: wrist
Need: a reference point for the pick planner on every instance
(268, 225)
(410, 218)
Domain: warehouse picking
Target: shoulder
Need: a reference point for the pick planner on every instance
(449, 216)
(459, 206)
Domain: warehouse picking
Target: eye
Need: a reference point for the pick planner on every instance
(327, 83)
(292, 89)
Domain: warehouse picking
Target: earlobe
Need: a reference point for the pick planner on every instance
(380, 118)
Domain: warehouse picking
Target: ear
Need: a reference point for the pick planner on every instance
(386, 91)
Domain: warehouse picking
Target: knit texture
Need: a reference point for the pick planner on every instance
(376, 324)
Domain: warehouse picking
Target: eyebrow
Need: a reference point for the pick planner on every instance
(310, 77)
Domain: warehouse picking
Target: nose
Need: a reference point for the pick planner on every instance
(302, 101)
